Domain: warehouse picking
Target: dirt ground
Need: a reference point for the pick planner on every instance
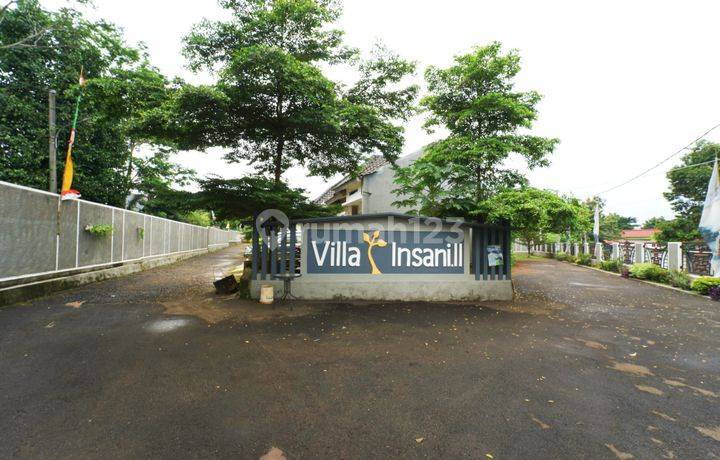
(581, 364)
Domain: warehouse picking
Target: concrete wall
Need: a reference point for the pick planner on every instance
(30, 244)
(378, 187)
(428, 287)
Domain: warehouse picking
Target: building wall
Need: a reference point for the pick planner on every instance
(378, 187)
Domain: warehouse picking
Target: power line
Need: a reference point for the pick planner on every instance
(662, 162)
(692, 166)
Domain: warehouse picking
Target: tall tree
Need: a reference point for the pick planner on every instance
(476, 101)
(122, 89)
(689, 185)
(272, 104)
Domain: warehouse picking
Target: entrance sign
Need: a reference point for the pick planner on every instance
(377, 252)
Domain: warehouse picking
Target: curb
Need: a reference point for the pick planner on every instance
(652, 283)
(28, 291)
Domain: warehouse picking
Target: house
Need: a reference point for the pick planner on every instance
(639, 235)
(370, 192)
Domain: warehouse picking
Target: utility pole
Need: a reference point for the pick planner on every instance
(52, 144)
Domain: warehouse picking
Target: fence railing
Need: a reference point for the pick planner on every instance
(276, 249)
(693, 257)
(41, 235)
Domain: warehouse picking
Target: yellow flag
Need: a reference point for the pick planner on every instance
(67, 191)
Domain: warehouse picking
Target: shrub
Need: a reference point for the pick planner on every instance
(561, 256)
(704, 283)
(649, 271)
(679, 279)
(714, 292)
(572, 259)
(611, 265)
(99, 230)
(624, 272)
(584, 259)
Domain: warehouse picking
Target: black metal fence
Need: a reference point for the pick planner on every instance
(484, 236)
(276, 249)
(656, 253)
(696, 258)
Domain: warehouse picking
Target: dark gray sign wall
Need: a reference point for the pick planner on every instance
(384, 252)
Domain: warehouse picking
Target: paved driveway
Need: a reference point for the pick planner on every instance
(582, 364)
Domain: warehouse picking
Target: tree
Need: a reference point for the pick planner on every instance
(475, 100)
(654, 222)
(122, 90)
(240, 199)
(534, 214)
(689, 185)
(678, 229)
(612, 225)
(30, 39)
(272, 104)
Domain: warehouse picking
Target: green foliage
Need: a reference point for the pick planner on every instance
(584, 259)
(611, 265)
(649, 271)
(242, 198)
(612, 225)
(654, 222)
(141, 233)
(198, 217)
(99, 230)
(534, 213)
(273, 105)
(122, 89)
(679, 279)
(678, 229)
(475, 100)
(704, 283)
(688, 186)
(561, 256)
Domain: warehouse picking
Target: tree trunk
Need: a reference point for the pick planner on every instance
(278, 159)
(529, 246)
(128, 175)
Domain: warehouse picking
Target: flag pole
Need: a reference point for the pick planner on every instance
(67, 192)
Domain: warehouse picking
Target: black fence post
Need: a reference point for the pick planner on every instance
(508, 253)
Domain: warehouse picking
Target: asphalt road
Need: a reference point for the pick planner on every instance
(582, 365)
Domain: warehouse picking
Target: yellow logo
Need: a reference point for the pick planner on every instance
(375, 241)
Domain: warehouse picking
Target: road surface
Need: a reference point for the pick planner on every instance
(581, 364)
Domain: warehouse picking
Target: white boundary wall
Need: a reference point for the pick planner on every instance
(36, 240)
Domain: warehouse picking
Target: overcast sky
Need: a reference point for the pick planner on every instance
(625, 84)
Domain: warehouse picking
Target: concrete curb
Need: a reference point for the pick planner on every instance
(666, 286)
(28, 291)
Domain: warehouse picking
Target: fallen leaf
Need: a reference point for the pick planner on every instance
(50, 324)
(75, 304)
(419, 440)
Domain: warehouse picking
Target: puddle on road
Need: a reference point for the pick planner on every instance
(167, 325)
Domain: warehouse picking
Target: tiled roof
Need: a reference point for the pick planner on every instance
(640, 233)
(371, 165)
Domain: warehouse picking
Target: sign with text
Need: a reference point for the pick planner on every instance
(378, 252)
